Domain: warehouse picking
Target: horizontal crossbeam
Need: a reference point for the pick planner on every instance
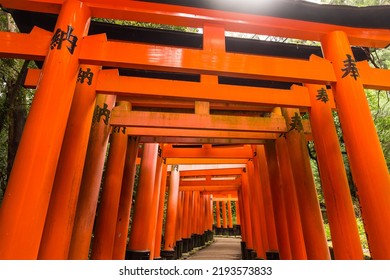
(200, 140)
(109, 82)
(194, 61)
(197, 121)
(31, 46)
(197, 17)
(209, 188)
(204, 183)
(215, 172)
(242, 152)
(197, 161)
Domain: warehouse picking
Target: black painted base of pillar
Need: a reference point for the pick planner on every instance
(137, 255)
(236, 230)
(168, 254)
(178, 249)
(225, 231)
(243, 250)
(249, 253)
(230, 231)
(272, 255)
(218, 231)
(209, 235)
(204, 238)
(192, 243)
(186, 245)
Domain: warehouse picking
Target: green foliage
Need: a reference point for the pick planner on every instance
(146, 24)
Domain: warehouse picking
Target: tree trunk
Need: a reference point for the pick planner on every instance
(17, 114)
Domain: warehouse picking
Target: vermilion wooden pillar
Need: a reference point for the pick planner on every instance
(190, 218)
(125, 203)
(160, 215)
(242, 225)
(245, 191)
(23, 211)
(211, 214)
(172, 209)
(142, 229)
(224, 219)
(230, 217)
(195, 217)
(238, 217)
(218, 214)
(278, 202)
(63, 201)
(369, 169)
(91, 179)
(339, 207)
(185, 222)
(259, 233)
(309, 208)
(297, 242)
(105, 225)
(179, 226)
(260, 161)
(155, 204)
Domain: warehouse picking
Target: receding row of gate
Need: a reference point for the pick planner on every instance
(194, 137)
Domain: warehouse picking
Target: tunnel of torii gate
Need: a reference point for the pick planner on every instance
(212, 122)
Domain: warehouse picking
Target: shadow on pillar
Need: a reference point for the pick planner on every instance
(137, 255)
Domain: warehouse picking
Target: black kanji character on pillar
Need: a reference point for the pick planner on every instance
(322, 95)
(99, 112)
(296, 122)
(85, 75)
(60, 36)
(350, 68)
(118, 129)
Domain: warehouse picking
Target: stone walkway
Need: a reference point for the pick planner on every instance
(222, 249)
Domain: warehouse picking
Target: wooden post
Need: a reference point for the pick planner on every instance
(259, 233)
(160, 216)
(247, 212)
(126, 199)
(179, 226)
(218, 214)
(339, 207)
(186, 208)
(155, 205)
(142, 229)
(238, 216)
(171, 216)
(309, 208)
(23, 211)
(297, 242)
(369, 169)
(105, 226)
(91, 179)
(224, 219)
(230, 217)
(260, 161)
(278, 202)
(59, 222)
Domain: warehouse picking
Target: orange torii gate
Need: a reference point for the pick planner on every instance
(72, 61)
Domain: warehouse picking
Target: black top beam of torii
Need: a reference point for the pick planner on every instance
(301, 10)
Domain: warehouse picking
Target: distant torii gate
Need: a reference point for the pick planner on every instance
(50, 202)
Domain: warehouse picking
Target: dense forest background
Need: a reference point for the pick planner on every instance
(15, 100)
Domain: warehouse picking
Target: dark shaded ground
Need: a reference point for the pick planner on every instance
(222, 249)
